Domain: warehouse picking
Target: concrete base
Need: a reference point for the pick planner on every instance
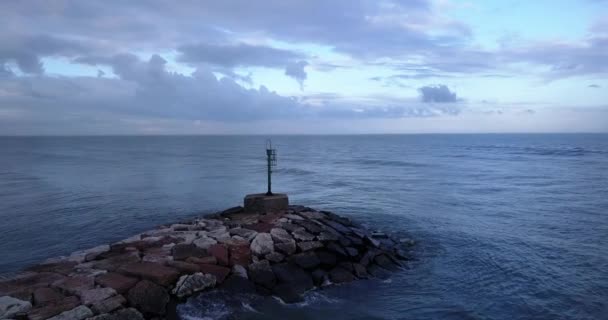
(261, 203)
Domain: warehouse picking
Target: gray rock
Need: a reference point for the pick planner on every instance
(332, 246)
(327, 259)
(386, 263)
(96, 295)
(109, 305)
(123, 314)
(378, 272)
(319, 276)
(275, 257)
(78, 313)
(310, 226)
(10, 306)
(290, 227)
(240, 271)
(309, 245)
(262, 244)
(340, 275)
(327, 236)
(190, 284)
(293, 217)
(288, 248)
(280, 235)
(306, 260)
(294, 276)
(351, 251)
(149, 297)
(337, 226)
(360, 271)
(184, 251)
(302, 235)
(312, 215)
(204, 242)
(261, 273)
(247, 234)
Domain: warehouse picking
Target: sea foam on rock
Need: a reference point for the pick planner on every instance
(281, 253)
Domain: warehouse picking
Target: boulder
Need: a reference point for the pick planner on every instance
(219, 272)
(203, 260)
(310, 226)
(326, 258)
(75, 285)
(245, 233)
(116, 261)
(46, 295)
(261, 273)
(204, 242)
(10, 306)
(302, 235)
(332, 246)
(64, 267)
(262, 244)
(351, 251)
(319, 277)
(340, 275)
(78, 313)
(109, 304)
(287, 293)
(386, 263)
(220, 252)
(327, 236)
(309, 245)
(287, 248)
(190, 284)
(290, 227)
(360, 271)
(377, 271)
(240, 271)
(116, 281)
(54, 308)
(280, 235)
(337, 226)
(259, 227)
(183, 251)
(294, 276)
(275, 257)
(184, 267)
(96, 295)
(240, 254)
(155, 272)
(306, 260)
(149, 297)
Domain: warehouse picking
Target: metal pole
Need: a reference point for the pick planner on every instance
(269, 158)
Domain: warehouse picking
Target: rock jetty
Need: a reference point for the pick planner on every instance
(143, 277)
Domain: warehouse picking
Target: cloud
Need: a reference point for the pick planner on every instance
(437, 94)
(229, 56)
(296, 71)
(595, 86)
(146, 92)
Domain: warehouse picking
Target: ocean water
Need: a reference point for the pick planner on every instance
(507, 226)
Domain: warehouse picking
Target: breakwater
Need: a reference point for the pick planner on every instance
(283, 254)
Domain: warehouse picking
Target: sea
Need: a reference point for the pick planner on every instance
(506, 226)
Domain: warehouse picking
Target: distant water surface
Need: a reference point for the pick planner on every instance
(508, 226)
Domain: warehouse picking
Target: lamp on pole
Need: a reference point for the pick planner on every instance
(271, 158)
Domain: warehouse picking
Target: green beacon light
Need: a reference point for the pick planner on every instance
(271, 157)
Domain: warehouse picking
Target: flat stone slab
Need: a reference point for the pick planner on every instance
(262, 203)
(155, 272)
(116, 281)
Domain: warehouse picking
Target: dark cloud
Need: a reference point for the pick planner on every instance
(296, 71)
(595, 86)
(437, 94)
(229, 56)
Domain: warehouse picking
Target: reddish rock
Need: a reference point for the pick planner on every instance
(220, 252)
(184, 267)
(219, 272)
(116, 281)
(46, 295)
(149, 297)
(74, 285)
(260, 227)
(115, 262)
(53, 309)
(270, 218)
(62, 267)
(155, 272)
(240, 254)
(203, 260)
(184, 251)
(23, 286)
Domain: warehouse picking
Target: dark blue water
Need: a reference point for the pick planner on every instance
(508, 226)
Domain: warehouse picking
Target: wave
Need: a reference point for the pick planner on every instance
(542, 151)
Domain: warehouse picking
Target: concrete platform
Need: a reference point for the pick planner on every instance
(261, 203)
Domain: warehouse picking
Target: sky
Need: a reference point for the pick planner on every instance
(70, 67)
